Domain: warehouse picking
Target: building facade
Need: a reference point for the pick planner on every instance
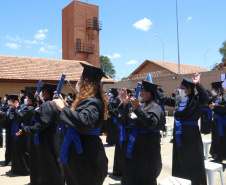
(80, 32)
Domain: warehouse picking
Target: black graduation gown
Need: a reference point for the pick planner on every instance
(20, 151)
(206, 121)
(3, 122)
(188, 159)
(45, 167)
(146, 164)
(218, 145)
(91, 166)
(8, 151)
(119, 155)
(111, 125)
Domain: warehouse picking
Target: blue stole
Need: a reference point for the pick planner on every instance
(209, 112)
(25, 123)
(178, 129)
(73, 135)
(14, 128)
(122, 133)
(36, 136)
(114, 120)
(132, 139)
(162, 106)
(221, 123)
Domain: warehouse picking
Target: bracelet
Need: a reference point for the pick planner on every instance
(198, 83)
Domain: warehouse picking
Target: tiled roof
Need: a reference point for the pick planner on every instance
(172, 67)
(220, 66)
(13, 68)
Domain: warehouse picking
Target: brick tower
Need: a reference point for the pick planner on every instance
(80, 32)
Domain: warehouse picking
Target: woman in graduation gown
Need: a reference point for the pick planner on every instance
(82, 153)
(20, 154)
(143, 162)
(120, 146)
(218, 105)
(188, 157)
(111, 121)
(45, 143)
(9, 117)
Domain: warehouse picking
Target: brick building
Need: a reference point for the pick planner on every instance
(18, 73)
(80, 32)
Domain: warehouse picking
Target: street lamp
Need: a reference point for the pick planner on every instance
(178, 51)
(206, 53)
(162, 44)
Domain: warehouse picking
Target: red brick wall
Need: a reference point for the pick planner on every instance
(74, 18)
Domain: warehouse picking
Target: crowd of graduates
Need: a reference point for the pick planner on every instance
(55, 138)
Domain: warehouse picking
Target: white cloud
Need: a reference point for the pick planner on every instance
(131, 62)
(41, 34)
(50, 46)
(189, 18)
(143, 24)
(116, 55)
(13, 45)
(43, 50)
(30, 42)
(61, 51)
(16, 39)
(28, 47)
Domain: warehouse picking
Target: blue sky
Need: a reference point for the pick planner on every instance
(32, 28)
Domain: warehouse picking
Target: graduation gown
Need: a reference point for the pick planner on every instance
(3, 121)
(188, 159)
(7, 126)
(91, 166)
(146, 164)
(20, 150)
(119, 155)
(111, 124)
(45, 167)
(206, 121)
(218, 145)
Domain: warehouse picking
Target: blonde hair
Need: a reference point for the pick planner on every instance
(90, 88)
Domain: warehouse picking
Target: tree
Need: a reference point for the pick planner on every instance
(222, 50)
(107, 66)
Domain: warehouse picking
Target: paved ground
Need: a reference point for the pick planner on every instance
(8, 178)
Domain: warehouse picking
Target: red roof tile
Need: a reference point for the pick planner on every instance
(15, 68)
(172, 67)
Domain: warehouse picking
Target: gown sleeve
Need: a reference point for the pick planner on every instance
(47, 116)
(164, 100)
(221, 108)
(148, 119)
(82, 120)
(25, 114)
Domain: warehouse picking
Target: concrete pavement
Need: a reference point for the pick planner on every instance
(8, 178)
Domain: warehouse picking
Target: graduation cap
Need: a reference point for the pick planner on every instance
(70, 94)
(13, 96)
(23, 91)
(187, 82)
(160, 90)
(217, 85)
(114, 90)
(128, 91)
(92, 73)
(49, 87)
(149, 87)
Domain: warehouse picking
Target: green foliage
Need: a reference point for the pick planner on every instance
(107, 66)
(222, 50)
